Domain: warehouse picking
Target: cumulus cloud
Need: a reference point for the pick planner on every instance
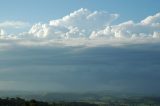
(94, 25)
(85, 19)
(78, 24)
(89, 25)
(11, 29)
(155, 19)
(147, 28)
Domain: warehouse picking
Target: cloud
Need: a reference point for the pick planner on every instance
(152, 19)
(84, 27)
(75, 25)
(129, 68)
(147, 28)
(90, 20)
(2, 32)
(11, 29)
(14, 24)
(83, 51)
(97, 25)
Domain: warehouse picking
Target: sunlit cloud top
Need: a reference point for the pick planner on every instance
(86, 24)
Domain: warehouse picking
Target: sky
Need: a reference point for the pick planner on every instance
(80, 45)
(31, 12)
(45, 10)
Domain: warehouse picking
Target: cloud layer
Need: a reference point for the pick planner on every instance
(131, 68)
(86, 24)
(13, 24)
(94, 25)
(119, 57)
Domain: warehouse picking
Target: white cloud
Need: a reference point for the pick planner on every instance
(11, 29)
(147, 28)
(80, 23)
(39, 30)
(152, 19)
(96, 27)
(13, 24)
(2, 32)
(85, 19)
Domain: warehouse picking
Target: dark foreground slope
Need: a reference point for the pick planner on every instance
(22, 102)
(111, 102)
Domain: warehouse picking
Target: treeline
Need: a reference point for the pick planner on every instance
(23, 102)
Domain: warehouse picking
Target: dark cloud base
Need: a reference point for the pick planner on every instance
(130, 68)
